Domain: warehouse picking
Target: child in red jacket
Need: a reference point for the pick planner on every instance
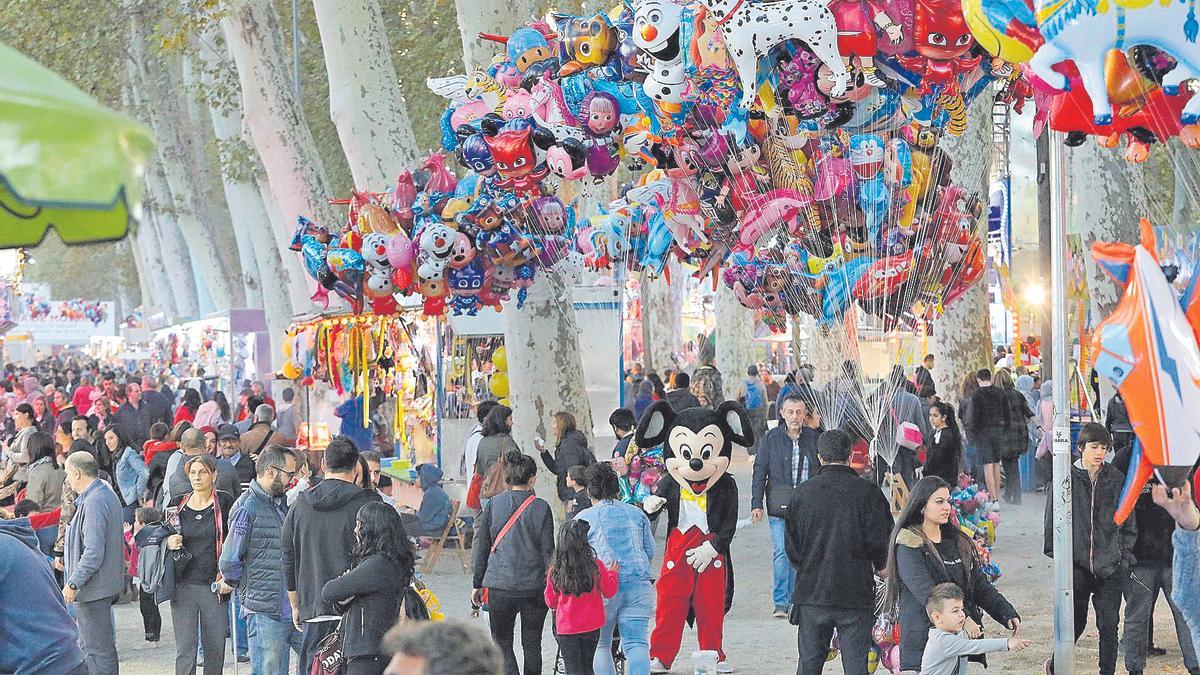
(575, 584)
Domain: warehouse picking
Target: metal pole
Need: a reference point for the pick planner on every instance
(296, 48)
(1064, 630)
(1044, 249)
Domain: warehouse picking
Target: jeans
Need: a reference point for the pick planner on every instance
(97, 639)
(1141, 589)
(269, 642)
(503, 608)
(314, 632)
(577, 651)
(151, 617)
(784, 573)
(1105, 595)
(630, 611)
(198, 615)
(816, 630)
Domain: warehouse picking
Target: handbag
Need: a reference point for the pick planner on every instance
(328, 658)
(512, 520)
(473, 492)
(493, 484)
(908, 435)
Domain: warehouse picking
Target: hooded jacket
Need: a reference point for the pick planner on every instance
(435, 503)
(571, 451)
(318, 540)
(918, 571)
(1099, 545)
(39, 635)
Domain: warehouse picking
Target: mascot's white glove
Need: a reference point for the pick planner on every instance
(702, 556)
(653, 503)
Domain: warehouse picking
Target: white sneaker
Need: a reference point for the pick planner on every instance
(724, 667)
(656, 666)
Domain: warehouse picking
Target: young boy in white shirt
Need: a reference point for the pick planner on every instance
(948, 646)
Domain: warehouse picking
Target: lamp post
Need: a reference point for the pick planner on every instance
(1064, 630)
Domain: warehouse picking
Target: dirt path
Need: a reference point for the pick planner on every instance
(756, 642)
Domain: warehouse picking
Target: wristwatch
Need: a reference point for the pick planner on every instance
(72, 586)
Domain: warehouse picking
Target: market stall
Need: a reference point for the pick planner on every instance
(223, 349)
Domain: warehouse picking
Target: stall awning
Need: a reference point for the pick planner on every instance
(66, 161)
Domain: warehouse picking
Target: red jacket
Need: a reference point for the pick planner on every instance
(152, 448)
(581, 613)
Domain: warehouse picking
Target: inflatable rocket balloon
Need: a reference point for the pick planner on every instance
(1148, 348)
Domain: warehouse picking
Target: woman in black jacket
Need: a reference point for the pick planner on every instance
(571, 449)
(1016, 436)
(512, 568)
(926, 550)
(943, 457)
(372, 590)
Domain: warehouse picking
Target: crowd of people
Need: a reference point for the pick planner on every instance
(165, 492)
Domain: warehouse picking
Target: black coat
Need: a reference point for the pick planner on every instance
(520, 561)
(1016, 430)
(986, 409)
(1099, 545)
(371, 594)
(918, 571)
(943, 456)
(772, 487)
(722, 516)
(681, 399)
(1155, 527)
(572, 450)
(838, 525)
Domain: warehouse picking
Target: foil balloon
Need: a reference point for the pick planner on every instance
(1147, 347)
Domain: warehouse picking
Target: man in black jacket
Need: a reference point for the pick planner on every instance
(681, 396)
(985, 417)
(318, 542)
(838, 526)
(1103, 551)
(786, 457)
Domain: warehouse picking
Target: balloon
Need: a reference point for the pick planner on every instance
(291, 371)
(504, 402)
(1148, 348)
(657, 28)
(498, 384)
(585, 43)
(500, 358)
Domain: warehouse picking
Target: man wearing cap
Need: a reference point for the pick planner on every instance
(229, 446)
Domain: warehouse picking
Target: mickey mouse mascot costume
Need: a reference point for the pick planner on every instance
(702, 509)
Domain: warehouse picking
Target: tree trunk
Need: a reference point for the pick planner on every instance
(293, 278)
(489, 16)
(662, 316)
(141, 263)
(962, 339)
(545, 372)
(244, 198)
(195, 77)
(158, 87)
(295, 172)
(365, 101)
(173, 248)
(735, 339)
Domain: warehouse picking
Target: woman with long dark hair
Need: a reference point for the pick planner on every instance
(576, 586)
(970, 453)
(131, 474)
(186, 412)
(497, 441)
(45, 477)
(223, 406)
(927, 550)
(372, 590)
(944, 443)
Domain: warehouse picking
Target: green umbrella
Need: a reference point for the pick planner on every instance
(65, 160)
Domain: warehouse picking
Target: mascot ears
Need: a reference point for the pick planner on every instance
(737, 420)
(656, 423)
(660, 417)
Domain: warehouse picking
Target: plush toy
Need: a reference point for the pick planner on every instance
(702, 508)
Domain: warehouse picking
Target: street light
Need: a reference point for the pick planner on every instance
(1035, 294)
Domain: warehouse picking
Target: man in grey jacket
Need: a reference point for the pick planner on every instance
(94, 562)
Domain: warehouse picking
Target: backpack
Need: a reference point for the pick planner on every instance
(754, 395)
(493, 482)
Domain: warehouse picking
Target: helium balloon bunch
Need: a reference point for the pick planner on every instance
(430, 234)
(977, 514)
(1095, 70)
